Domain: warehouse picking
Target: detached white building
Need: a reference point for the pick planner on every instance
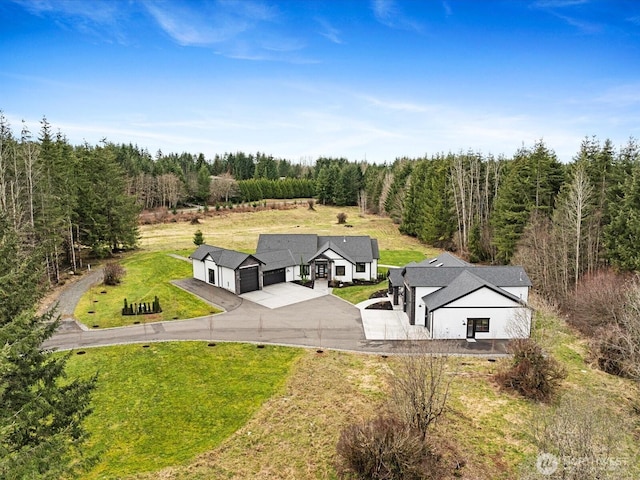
(453, 299)
(234, 271)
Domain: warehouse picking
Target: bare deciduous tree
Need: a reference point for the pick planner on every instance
(420, 386)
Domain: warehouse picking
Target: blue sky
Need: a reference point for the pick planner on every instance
(298, 79)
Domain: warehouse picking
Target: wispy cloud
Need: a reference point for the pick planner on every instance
(401, 106)
(388, 13)
(635, 20)
(99, 18)
(558, 3)
(563, 9)
(622, 96)
(329, 31)
(246, 30)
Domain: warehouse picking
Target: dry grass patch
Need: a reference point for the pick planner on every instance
(240, 231)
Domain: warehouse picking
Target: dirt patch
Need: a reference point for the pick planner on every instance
(380, 306)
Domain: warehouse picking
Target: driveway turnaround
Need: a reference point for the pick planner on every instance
(388, 324)
(283, 294)
(325, 322)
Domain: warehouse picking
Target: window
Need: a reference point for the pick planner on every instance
(304, 270)
(482, 325)
(340, 271)
(212, 276)
(360, 267)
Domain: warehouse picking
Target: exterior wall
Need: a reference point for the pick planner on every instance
(226, 278)
(520, 292)
(451, 323)
(374, 269)
(367, 274)
(483, 297)
(419, 308)
(199, 270)
(337, 261)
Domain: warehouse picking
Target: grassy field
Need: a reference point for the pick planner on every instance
(240, 231)
(147, 275)
(163, 405)
(358, 293)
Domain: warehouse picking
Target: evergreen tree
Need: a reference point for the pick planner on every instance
(107, 216)
(532, 181)
(622, 235)
(41, 411)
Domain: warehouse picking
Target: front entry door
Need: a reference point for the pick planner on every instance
(321, 270)
(471, 328)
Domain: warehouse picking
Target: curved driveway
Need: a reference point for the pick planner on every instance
(326, 322)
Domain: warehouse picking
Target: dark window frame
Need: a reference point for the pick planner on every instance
(305, 270)
(481, 325)
(361, 267)
(212, 276)
(341, 268)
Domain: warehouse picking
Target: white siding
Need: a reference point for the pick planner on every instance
(420, 307)
(374, 269)
(451, 323)
(366, 275)
(226, 279)
(484, 297)
(199, 270)
(520, 292)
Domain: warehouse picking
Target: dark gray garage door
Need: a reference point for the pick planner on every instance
(274, 276)
(249, 279)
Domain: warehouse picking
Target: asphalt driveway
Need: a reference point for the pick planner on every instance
(326, 322)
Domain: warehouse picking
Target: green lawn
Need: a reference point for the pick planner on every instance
(358, 293)
(147, 275)
(400, 258)
(161, 406)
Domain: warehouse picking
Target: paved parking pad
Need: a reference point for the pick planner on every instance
(283, 294)
(388, 324)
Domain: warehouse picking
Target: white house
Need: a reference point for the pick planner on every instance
(286, 258)
(453, 299)
(289, 257)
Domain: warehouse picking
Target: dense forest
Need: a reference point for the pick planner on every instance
(560, 221)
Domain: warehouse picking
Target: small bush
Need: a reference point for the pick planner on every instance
(533, 373)
(385, 449)
(342, 218)
(113, 273)
(312, 203)
(198, 238)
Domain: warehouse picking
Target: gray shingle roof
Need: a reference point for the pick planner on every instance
(221, 256)
(360, 248)
(463, 284)
(276, 259)
(356, 249)
(503, 276)
(445, 259)
(395, 277)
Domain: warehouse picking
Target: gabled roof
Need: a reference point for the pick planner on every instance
(503, 276)
(359, 248)
(299, 245)
(331, 246)
(277, 259)
(462, 285)
(222, 256)
(395, 277)
(445, 259)
(355, 249)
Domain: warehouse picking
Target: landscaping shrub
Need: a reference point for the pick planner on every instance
(533, 373)
(113, 273)
(385, 449)
(311, 202)
(342, 218)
